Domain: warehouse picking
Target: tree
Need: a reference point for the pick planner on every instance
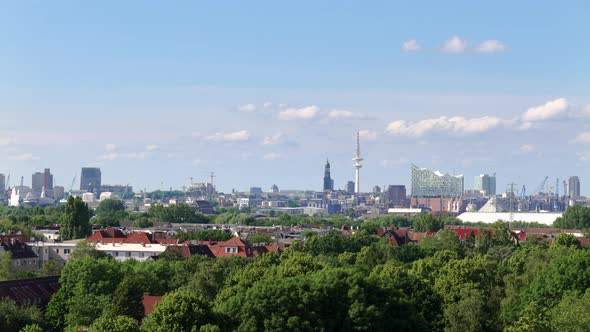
(566, 240)
(179, 311)
(427, 223)
(32, 328)
(574, 217)
(86, 249)
(260, 238)
(467, 314)
(75, 221)
(13, 317)
(110, 205)
(445, 239)
(143, 223)
(114, 323)
(571, 314)
(6, 272)
(50, 268)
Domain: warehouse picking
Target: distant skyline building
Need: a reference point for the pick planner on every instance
(255, 191)
(328, 182)
(90, 179)
(357, 164)
(485, 182)
(426, 182)
(349, 187)
(396, 195)
(42, 181)
(2, 184)
(573, 186)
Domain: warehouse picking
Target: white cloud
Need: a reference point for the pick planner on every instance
(586, 111)
(583, 156)
(5, 140)
(456, 125)
(304, 113)
(108, 156)
(342, 114)
(267, 104)
(242, 135)
(272, 156)
(273, 139)
(151, 147)
(549, 110)
(583, 138)
(368, 134)
(135, 155)
(248, 108)
(455, 45)
(526, 148)
(110, 147)
(491, 46)
(24, 157)
(411, 45)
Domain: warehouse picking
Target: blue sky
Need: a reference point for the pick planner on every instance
(261, 92)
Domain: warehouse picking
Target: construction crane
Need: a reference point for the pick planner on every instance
(557, 187)
(541, 187)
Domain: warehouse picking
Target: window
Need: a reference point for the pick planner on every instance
(66, 251)
(57, 251)
(128, 254)
(116, 254)
(45, 250)
(231, 250)
(141, 254)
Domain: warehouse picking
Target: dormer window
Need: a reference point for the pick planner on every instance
(231, 250)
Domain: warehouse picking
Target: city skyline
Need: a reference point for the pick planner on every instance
(209, 89)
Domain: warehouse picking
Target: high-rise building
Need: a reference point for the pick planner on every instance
(42, 181)
(426, 182)
(396, 196)
(256, 191)
(573, 186)
(328, 182)
(350, 187)
(90, 179)
(2, 184)
(486, 183)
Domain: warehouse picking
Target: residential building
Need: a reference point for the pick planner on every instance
(428, 183)
(23, 257)
(53, 251)
(33, 291)
(90, 179)
(573, 186)
(485, 182)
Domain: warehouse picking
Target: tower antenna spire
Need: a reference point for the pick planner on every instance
(357, 163)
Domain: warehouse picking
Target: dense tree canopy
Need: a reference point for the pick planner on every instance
(75, 221)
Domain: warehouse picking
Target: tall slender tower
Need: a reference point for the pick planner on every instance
(357, 164)
(328, 182)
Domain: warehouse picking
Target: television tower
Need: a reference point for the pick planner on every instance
(357, 164)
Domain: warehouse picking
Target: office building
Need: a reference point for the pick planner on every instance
(42, 181)
(486, 183)
(90, 179)
(328, 182)
(426, 182)
(396, 196)
(573, 186)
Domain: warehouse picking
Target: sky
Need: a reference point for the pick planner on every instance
(263, 92)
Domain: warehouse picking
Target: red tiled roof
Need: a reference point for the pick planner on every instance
(30, 291)
(149, 302)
